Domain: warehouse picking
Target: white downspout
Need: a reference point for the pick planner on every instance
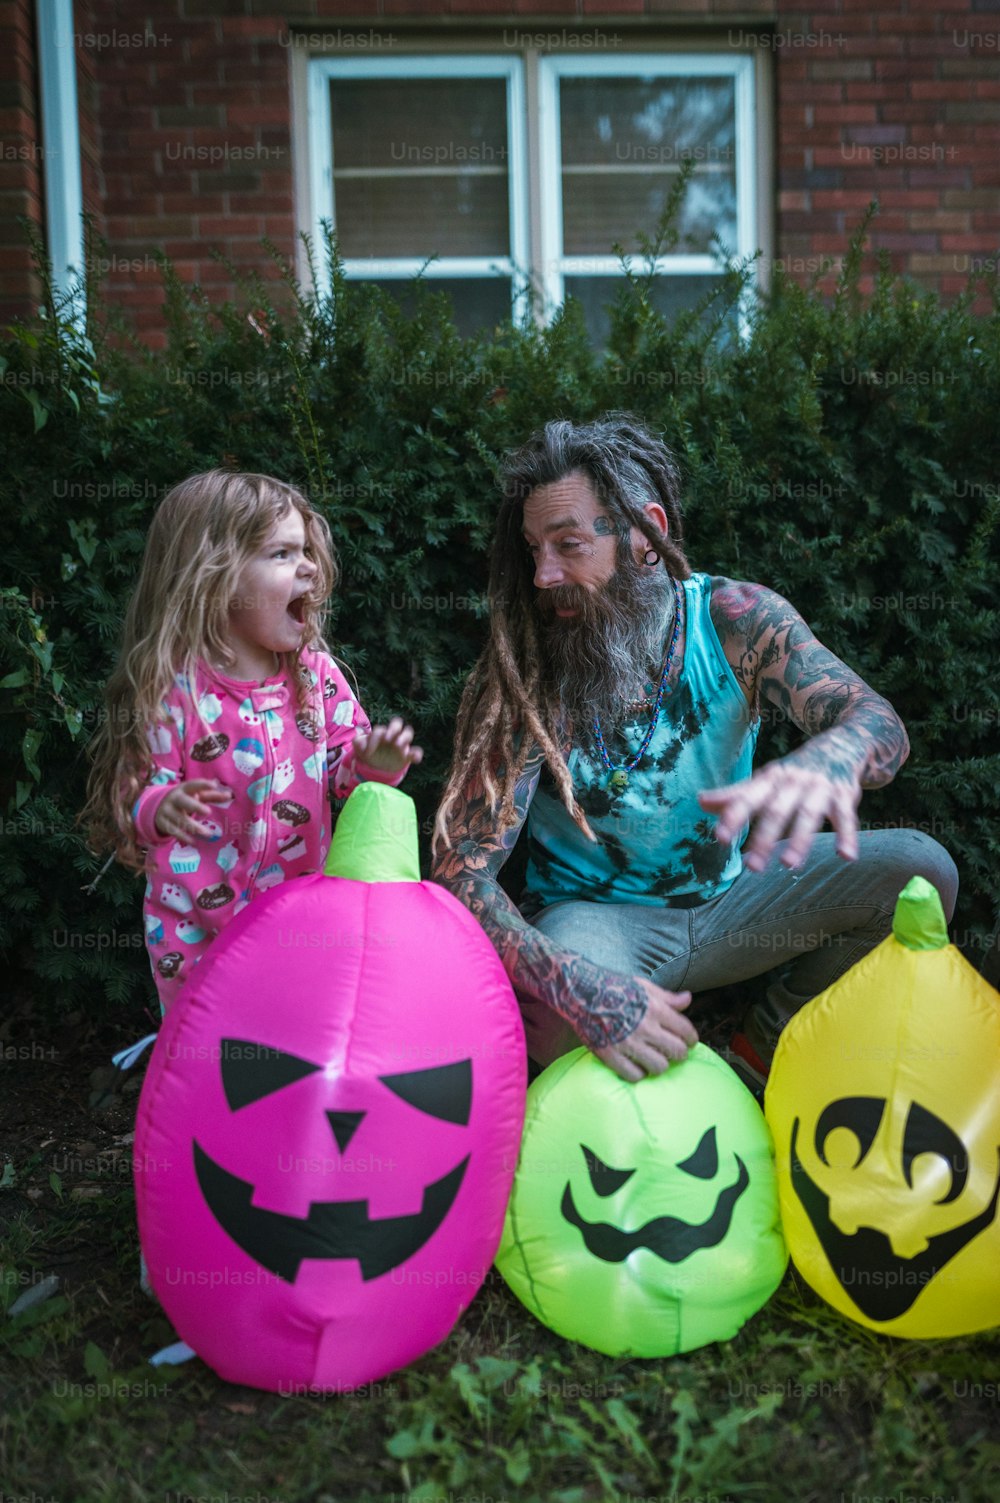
(61, 143)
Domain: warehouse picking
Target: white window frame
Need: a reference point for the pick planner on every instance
(555, 266)
(324, 71)
(535, 265)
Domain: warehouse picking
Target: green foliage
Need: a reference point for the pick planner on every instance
(843, 450)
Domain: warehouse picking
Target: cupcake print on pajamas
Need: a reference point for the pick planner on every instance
(284, 775)
(291, 848)
(315, 766)
(176, 898)
(159, 739)
(210, 708)
(248, 756)
(228, 857)
(184, 858)
(258, 791)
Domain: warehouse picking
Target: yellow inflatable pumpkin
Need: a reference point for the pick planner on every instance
(884, 1103)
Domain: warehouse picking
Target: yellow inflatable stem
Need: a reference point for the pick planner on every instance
(376, 837)
(918, 921)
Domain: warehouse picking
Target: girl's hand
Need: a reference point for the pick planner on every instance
(190, 801)
(388, 748)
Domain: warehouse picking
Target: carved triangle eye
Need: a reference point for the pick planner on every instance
(444, 1091)
(251, 1071)
(704, 1162)
(604, 1179)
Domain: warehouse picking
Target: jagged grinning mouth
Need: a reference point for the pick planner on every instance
(332, 1229)
(883, 1284)
(668, 1238)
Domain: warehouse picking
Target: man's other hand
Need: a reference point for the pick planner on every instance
(663, 1036)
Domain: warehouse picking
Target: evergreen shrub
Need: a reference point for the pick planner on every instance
(844, 450)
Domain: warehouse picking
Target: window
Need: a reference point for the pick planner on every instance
(423, 157)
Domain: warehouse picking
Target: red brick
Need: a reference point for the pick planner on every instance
(904, 68)
(254, 28)
(606, 7)
(810, 93)
(936, 262)
(252, 116)
(856, 68)
(161, 225)
(790, 70)
(941, 220)
(844, 114)
(937, 177)
(192, 203)
(840, 198)
(982, 244)
(897, 25)
(934, 89)
(229, 225)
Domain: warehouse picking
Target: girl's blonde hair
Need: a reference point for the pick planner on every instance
(203, 533)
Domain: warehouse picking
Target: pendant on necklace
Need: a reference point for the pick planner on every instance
(618, 781)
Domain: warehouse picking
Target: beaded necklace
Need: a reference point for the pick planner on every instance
(618, 780)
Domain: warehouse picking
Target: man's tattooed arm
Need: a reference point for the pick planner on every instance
(855, 733)
(601, 1006)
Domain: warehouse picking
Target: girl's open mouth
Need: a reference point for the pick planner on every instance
(297, 610)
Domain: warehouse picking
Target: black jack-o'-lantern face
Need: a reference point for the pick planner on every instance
(668, 1237)
(882, 1283)
(333, 1228)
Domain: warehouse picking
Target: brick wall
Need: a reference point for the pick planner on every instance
(904, 106)
(20, 158)
(188, 141)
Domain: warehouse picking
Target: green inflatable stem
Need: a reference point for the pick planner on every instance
(376, 837)
(919, 922)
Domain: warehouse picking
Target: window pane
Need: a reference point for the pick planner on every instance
(420, 166)
(669, 296)
(623, 143)
(477, 302)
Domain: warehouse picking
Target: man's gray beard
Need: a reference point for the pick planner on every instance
(597, 661)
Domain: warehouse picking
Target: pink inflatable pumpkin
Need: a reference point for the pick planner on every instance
(330, 1120)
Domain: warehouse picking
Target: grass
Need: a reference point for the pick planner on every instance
(802, 1405)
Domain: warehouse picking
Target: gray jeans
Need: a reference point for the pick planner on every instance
(806, 927)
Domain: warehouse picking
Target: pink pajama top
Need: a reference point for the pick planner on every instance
(282, 765)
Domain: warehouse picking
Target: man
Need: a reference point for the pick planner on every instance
(613, 715)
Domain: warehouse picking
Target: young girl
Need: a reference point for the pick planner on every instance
(227, 720)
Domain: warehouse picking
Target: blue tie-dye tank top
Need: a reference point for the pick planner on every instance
(656, 843)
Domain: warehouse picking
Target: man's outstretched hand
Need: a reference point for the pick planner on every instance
(788, 799)
(662, 1036)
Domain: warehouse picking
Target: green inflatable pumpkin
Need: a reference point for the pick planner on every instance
(644, 1217)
